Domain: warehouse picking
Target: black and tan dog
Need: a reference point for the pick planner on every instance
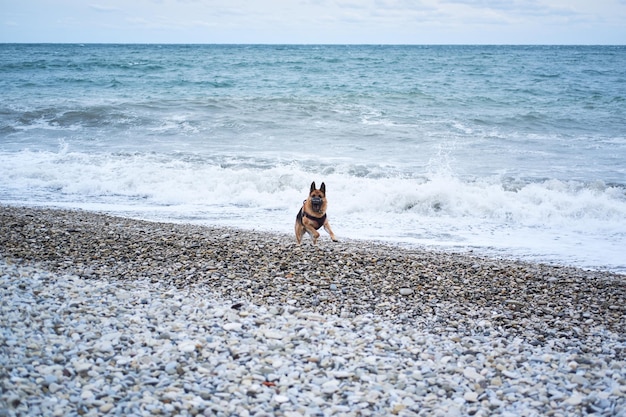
(312, 215)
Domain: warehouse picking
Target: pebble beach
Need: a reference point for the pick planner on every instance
(103, 315)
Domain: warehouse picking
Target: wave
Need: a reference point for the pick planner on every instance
(69, 118)
(188, 178)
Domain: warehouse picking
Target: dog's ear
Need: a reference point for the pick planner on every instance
(323, 188)
(312, 187)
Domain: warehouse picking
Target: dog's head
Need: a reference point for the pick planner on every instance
(317, 198)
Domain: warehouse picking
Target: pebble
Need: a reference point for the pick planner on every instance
(330, 386)
(274, 334)
(88, 329)
(470, 372)
(281, 398)
(233, 326)
(170, 368)
(575, 399)
(470, 396)
(187, 346)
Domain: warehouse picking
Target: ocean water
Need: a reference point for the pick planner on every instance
(509, 151)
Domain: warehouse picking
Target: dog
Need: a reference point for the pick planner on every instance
(312, 215)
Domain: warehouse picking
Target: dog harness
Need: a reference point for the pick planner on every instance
(319, 220)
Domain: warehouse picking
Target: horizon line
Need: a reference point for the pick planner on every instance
(307, 44)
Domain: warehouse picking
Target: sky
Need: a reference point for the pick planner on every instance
(315, 21)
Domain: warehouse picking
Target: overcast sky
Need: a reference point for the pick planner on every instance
(315, 21)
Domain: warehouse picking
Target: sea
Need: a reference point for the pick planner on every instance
(514, 152)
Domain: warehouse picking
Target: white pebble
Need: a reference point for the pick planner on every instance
(273, 334)
(575, 399)
(233, 326)
(187, 346)
(170, 368)
(86, 394)
(330, 387)
(82, 366)
(281, 398)
(470, 372)
(470, 396)
(105, 347)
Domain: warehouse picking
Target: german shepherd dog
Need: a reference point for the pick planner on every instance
(312, 215)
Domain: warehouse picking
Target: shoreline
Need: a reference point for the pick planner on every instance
(105, 314)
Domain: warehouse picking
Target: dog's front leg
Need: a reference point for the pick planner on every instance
(330, 231)
(314, 233)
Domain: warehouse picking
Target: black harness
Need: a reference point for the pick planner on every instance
(319, 220)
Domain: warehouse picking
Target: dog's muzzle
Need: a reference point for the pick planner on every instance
(316, 202)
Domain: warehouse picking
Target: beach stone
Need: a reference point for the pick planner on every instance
(579, 379)
(53, 388)
(233, 326)
(330, 387)
(187, 346)
(171, 367)
(470, 373)
(281, 398)
(105, 408)
(274, 334)
(470, 396)
(575, 399)
(50, 379)
(86, 395)
(82, 366)
(105, 347)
